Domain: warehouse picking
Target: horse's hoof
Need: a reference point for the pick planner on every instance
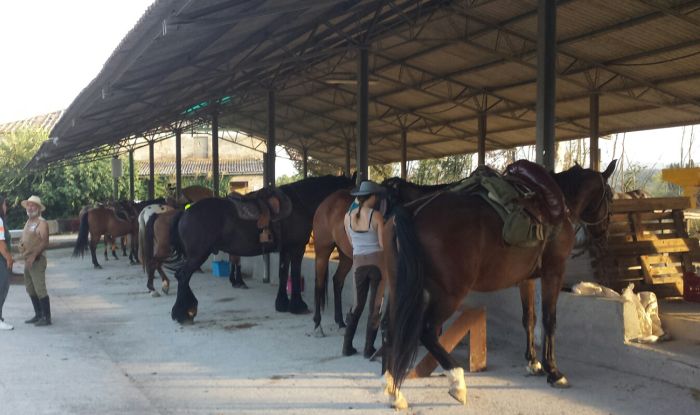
(460, 395)
(154, 294)
(166, 290)
(341, 325)
(561, 383)
(299, 307)
(282, 304)
(535, 368)
(349, 351)
(98, 266)
(399, 402)
(240, 285)
(318, 332)
(458, 388)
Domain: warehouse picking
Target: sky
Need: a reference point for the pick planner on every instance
(52, 49)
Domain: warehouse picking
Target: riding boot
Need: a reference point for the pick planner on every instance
(369, 342)
(45, 319)
(351, 322)
(37, 310)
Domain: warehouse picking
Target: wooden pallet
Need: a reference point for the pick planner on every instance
(648, 245)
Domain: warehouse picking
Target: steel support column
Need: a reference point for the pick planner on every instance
(178, 162)
(481, 145)
(362, 114)
(594, 114)
(305, 155)
(215, 152)
(404, 153)
(132, 193)
(151, 171)
(348, 155)
(271, 139)
(546, 81)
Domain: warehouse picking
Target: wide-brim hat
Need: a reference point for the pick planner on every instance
(366, 188)
(34, 199)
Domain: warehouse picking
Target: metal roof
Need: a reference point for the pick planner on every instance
(200, 167)
(435, 65)
(43, 122)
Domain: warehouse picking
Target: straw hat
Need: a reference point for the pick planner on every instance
(367, 187)
(36, 200)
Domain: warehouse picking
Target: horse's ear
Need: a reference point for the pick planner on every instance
(609, 170)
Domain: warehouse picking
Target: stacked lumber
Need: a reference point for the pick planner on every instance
(648, 245)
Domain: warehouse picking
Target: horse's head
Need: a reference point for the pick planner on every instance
(393, 196)
(589, 197)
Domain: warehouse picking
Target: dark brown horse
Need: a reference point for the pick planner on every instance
(213, 225)
(329, 233)
(453, 245)
(100, 221)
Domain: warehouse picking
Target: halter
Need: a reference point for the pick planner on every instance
(603, 199)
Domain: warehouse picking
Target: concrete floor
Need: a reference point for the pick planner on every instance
(114, 350)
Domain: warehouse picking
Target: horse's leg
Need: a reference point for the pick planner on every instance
(93, 249)
(399, 401)
(321, 269)
(236, 278)
(455, 374)
(107, 242)
(123, 241)
(150, 272)
(296, 303)
(527, 298)
(344, 266)
(185, 307)
(114, 247)
(165, 282)
(282, 300)
(552, 280)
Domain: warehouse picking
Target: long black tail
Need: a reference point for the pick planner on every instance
(407, 308)
(147, 248)
(81, 244)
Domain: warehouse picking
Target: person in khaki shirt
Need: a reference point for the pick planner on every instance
(35, 239)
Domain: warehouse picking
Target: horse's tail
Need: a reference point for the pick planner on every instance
(142, 240)
(81, 243)
(146, 244)
(175, 241)
(408, 305)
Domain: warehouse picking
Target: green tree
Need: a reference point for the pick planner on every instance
(443, 170)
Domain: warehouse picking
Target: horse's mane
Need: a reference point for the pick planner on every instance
(570, 180)
(312, 188)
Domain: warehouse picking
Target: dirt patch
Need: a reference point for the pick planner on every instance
(241, 326)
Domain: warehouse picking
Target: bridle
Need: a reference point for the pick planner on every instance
(605, 198)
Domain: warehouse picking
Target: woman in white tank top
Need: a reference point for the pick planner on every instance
(364, 226)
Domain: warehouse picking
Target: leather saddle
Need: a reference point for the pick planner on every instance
(263, 206)
(542, 197)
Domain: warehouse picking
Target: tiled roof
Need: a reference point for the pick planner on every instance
(202, 167)
(44, 122)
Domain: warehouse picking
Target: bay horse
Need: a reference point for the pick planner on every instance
(213, 225)
(99, 221)
(329, 233)
(154, 244)
(440, 250)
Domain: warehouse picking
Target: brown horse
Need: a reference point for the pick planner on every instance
(329, 233)
(156, 249)
(439, 251)
(102, 221)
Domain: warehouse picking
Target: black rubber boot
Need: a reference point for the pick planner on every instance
(45, 319)
(351, 322)
(369, 343)
(37, 310)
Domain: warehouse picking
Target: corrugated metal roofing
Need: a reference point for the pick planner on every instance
(202, 167)
(435, 65)
(44, 122)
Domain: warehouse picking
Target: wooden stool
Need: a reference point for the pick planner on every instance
(471, 321)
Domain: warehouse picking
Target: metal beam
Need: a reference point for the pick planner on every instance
(178, 162)
(151, 171)
(362, 114)
(132, 195)
(404, 152)
(546, 81)
(215, 152)
(595, 131)
(271, 139)
(481, 143)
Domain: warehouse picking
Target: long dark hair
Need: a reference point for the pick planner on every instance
(3, 200)
(361, 201)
